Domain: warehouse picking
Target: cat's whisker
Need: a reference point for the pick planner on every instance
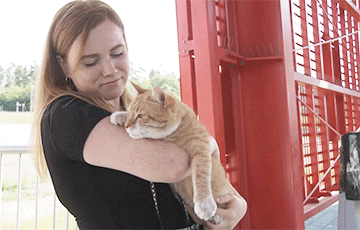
(145, 141)
(141, 131)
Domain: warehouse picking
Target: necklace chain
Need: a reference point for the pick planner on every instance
(153, 191)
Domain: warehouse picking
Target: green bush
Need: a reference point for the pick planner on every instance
(9, 97)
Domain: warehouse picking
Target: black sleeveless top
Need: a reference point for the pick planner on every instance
(99, 198)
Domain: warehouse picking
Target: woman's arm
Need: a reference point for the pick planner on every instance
(155, 160)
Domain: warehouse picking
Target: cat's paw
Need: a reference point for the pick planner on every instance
(216, 219)
(118, 118)
(205, 208)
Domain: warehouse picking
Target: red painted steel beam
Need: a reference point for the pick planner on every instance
(350, 6)
(312, 209)
(270, 118)
(300, 107)
(206, 65)
(201, 84)
(325, 85)
(185, 44)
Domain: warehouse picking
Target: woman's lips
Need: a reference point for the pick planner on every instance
(111, 82)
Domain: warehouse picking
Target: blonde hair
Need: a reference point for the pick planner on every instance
(75, 19)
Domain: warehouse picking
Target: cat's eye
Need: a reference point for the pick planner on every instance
(140, 116)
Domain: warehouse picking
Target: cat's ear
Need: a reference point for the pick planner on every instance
(138, 88)
(160, 96)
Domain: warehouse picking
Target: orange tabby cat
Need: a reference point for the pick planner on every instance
(158, 115)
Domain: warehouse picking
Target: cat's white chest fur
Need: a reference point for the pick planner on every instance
(138, 132)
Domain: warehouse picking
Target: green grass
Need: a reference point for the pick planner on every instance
(28, 179)
(10, 175)
(15, 117)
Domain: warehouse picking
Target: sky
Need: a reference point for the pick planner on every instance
(150, 28)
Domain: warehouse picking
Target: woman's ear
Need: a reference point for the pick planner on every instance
(63, 65)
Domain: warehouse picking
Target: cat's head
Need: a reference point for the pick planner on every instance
(153, 114)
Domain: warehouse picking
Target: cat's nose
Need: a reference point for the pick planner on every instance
(126, 127)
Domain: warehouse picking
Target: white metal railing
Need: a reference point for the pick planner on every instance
(20, 151)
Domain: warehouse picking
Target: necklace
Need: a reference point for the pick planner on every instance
(153, 191)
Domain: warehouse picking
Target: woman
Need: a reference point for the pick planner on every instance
(99, 173)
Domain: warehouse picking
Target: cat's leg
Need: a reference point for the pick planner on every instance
(205, 206)
(118, 118)
(214, 148)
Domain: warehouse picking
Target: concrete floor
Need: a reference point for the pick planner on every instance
(326, 219)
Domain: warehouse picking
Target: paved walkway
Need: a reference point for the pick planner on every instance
(326, 219)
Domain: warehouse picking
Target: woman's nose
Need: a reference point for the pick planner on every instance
(108, 68)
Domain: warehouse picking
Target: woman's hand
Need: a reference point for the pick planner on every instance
(234, 211)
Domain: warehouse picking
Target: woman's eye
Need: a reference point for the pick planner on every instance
(91, 62)
(117, 54)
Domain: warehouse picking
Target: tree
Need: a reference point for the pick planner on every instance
(2, 76)
(23, 76)
(18, 75)
(169, 83)
(136, 73)
(8, 76)
(156, 77)
(15, 86)
(14, 94)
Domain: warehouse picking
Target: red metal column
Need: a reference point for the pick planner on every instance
(186, 51)
(200, 24)
(265, 89)
(197, 27)
(271, 132)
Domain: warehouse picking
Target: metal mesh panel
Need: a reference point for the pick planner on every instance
(319, 54)
(319, 148)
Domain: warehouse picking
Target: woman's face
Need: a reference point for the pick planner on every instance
(104, 64)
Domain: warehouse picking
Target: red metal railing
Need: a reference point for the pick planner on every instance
(326, 55)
